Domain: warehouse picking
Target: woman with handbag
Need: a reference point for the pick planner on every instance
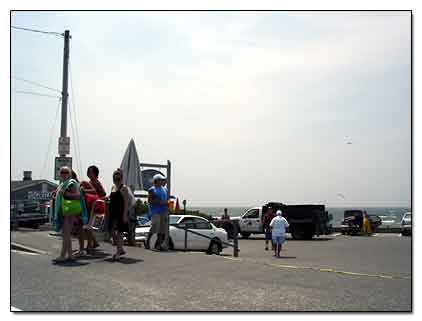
(68, 210)
(118, 211)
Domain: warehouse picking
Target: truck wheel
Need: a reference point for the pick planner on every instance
(298, 232)
(309, 234)
(245, 235)
(35, 226)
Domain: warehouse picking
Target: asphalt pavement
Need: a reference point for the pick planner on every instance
(338, 273)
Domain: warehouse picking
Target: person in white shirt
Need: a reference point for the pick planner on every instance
(278, 229)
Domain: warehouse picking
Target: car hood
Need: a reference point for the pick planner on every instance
(141, 229)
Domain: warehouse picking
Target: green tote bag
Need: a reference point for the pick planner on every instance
(71, 207)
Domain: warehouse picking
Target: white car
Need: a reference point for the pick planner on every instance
(406, 219)
(213, 244)
(406, 224)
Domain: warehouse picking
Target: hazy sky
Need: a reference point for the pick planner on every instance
(248, 106)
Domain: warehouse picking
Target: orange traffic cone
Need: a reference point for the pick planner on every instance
(177, 209)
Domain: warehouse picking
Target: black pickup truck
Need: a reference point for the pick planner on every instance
(353, 221)
(305, 221)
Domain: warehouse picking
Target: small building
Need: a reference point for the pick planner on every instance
(28, 193)
(29, 189)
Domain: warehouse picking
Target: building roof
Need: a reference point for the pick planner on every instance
(17, 185)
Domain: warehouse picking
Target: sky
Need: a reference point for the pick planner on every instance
(249, 107)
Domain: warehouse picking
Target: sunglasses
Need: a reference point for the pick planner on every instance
(64, 172)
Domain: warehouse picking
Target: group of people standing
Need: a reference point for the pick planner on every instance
(76, 204)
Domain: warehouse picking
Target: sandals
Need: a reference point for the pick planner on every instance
(58, 260)
(62, 260)
(117, 256)
(79, 254)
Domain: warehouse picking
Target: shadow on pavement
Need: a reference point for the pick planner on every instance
(165, 252)
(25, 229)
(124, 260)
(291, 239)
(70, 263)
(313, 240)
(95, 255)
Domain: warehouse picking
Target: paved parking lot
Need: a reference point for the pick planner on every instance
(338, 273)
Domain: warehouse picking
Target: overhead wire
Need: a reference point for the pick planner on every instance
(75, 115)
(73, 139)
(35, 83)
(39, 94)
(34, 93)
(50, 140)
(39, 31)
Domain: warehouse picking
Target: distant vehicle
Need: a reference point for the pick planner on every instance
(406, 219)
(28, 213)
(388, 219)
(197, 224)
(353, 221)
(305, 221)
(142, 221)
(406, 224)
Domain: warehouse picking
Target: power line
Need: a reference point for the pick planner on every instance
(34, 93)
(74, 115)
(50, 140)
(36, 84)
(40, 31)
(75, 141)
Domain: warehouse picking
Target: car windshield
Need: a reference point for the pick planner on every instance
(352, 213)
(174, 219)
(142, 220)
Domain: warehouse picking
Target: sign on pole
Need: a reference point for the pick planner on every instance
(60, 162)
(64, 145)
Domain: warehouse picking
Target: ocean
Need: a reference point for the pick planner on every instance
(390, 216)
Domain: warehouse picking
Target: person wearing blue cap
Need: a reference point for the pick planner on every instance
(158, 203)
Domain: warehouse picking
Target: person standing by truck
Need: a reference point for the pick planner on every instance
(366, 225)
(268, 216)
(278, 227)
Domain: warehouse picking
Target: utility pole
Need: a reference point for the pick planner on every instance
(63, 128)
(64, 141)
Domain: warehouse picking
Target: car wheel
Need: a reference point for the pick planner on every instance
(245, 235)
(215, 248)
(152, 241)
